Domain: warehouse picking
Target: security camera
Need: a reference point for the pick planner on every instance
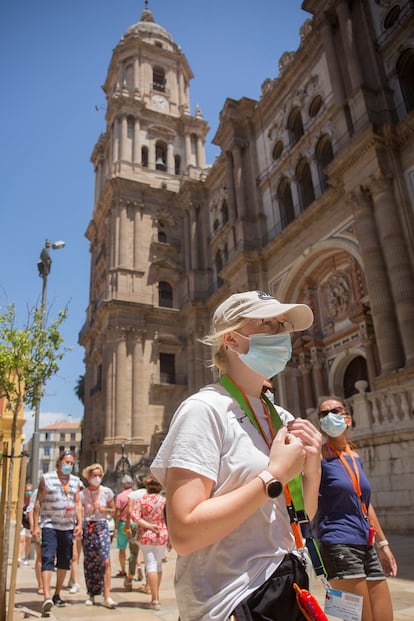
(58, 244)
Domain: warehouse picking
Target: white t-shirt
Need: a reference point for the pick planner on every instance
(102, 496)
(212, 436)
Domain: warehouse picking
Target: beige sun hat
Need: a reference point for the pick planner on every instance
(260, 305)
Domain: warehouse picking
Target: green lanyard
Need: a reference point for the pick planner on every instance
(296, 509)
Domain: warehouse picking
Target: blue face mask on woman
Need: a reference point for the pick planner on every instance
(268, 354)
(333, 424)
(66, 468)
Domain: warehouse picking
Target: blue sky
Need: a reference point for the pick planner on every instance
(54, 56)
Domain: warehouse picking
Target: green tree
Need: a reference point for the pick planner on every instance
(29, 356)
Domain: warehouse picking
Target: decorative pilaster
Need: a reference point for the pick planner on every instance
(378, 285)
(348, 42)
(238, 180)
(397, 260)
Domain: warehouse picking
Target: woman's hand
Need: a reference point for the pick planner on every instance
(308, 434)
(287, 456)
(388, 562)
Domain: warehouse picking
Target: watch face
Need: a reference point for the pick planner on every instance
(274, 489)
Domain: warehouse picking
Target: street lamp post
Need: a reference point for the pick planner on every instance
(43, 265)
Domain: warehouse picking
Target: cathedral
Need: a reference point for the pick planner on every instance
(311, 199)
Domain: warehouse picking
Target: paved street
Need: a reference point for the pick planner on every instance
(28, 602)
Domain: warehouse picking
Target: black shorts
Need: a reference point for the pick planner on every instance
(275, 600)
(343, 561)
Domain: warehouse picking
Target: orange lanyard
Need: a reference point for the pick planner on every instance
(288, 497)
(353, 474)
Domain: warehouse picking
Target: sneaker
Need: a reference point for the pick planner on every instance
(25, 562)
(75, 588)
(90, 601)
(109, 603)
(155, 605)
(47, 607)
(58, 601)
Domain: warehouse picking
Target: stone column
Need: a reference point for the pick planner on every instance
(335, 73)
(137, 142)
(306, 382)
(238, 180)
(115, 141)
(200, 153)
(397, 260)
(121, 418)
(379, 291)
(348, 42)
(296, 198)
(187, 144)
(193, 238)
(123, 237)
(137, 430)
(108, 378)
(170, 158)
(124, 137)
(136, 73)
(230, 186)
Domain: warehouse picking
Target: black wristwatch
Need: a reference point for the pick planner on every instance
(272, 486)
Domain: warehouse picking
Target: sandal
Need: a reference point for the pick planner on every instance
(120, 574)
(144, 589)
(155, 605)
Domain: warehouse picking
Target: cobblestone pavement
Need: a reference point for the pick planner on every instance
(28, 602)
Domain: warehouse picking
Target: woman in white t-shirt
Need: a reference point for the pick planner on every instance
(224, 469)
(97, 503)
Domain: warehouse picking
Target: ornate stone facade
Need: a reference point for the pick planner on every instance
(311, 199)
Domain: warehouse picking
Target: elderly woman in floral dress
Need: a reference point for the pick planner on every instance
(97, 502)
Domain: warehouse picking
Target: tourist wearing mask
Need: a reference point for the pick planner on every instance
(97, 503)
(224, 467)
(355, 551)
(58, 514)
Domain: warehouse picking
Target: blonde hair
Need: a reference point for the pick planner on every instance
(214, 339)
(86, 473)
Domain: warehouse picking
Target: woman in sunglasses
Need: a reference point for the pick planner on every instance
(353, 546)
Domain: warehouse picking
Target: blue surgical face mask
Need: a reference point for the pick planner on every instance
(333, 424)
(29, 493)
(268, 354)
(66, 468)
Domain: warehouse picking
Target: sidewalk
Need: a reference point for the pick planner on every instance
(28, 602)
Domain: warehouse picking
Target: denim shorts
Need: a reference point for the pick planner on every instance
(343, 561)
(56, 546)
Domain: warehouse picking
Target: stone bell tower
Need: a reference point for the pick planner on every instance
(135, 346)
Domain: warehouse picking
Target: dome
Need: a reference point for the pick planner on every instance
(148, 30)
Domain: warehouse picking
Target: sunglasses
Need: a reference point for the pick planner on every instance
(323, 413)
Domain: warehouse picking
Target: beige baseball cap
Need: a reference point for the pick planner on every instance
(260, 305)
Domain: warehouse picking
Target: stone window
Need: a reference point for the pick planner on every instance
(277, 150)
(165, 294)
(158, 79)
(392, 16)
(167, 368)
(295, 126)
(324, 155)
(160, 155)
(144, 157)
(177, 164)
(305, 184)
(315, 106)
(405, 73)
(284, 196)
